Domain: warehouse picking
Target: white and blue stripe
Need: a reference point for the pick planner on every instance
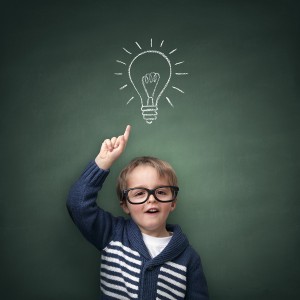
(171, 283)
(120, 271)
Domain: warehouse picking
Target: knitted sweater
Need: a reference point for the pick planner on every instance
(127, 270)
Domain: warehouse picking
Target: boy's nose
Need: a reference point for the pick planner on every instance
(151, 198)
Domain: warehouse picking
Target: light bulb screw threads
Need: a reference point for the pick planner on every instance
(149, 113)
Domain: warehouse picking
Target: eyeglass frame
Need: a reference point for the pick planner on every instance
(150, 192)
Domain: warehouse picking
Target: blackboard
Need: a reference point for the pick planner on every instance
(229, 126)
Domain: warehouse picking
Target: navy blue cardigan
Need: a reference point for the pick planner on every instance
(127, 270)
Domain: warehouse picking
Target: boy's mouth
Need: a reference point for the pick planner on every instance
(152, 211)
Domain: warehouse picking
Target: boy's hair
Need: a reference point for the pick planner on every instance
(163, 168)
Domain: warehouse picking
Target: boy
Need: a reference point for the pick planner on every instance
(142, 257)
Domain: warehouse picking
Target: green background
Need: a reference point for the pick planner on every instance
(232, 137)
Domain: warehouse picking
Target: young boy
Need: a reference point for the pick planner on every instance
(142, 256)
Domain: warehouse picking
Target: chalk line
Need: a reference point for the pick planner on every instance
(138, 45)
(121, 62)
(169, 101)
(176, 88)
(127, 51)
(130, 100)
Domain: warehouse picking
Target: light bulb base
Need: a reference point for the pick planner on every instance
(149, 113)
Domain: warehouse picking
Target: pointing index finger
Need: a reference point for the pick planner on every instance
(127, 132)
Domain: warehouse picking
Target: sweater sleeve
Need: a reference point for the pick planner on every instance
(196, 282)
(95, 224)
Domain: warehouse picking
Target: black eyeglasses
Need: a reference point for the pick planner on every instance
(141, 195)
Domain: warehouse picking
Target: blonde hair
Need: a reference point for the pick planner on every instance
(163, 168)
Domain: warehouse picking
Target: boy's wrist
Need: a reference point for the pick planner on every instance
(102, 164)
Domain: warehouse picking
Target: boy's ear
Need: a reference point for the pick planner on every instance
(173, 205)
(123, 204)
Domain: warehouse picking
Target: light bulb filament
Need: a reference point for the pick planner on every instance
(150, 82)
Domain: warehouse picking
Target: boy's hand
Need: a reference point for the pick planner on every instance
(111, 149)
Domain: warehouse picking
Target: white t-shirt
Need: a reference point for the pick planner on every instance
(156, 245)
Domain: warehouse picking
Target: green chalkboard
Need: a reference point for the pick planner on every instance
(228, 121)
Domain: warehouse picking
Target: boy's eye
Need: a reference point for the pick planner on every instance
(162, 192)
(139, 193)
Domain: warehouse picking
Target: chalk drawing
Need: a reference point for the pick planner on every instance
(176, 88)
(150, 72)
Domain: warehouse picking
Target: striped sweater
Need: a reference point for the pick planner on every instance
(127, 270)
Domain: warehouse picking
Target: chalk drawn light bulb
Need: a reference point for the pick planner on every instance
(150, 86)
(150, 72)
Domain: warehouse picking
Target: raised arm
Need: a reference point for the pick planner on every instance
(96, 224)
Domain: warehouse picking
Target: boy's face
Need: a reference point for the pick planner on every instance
(151, 223)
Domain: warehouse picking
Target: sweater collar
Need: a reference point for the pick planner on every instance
(176, 246)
